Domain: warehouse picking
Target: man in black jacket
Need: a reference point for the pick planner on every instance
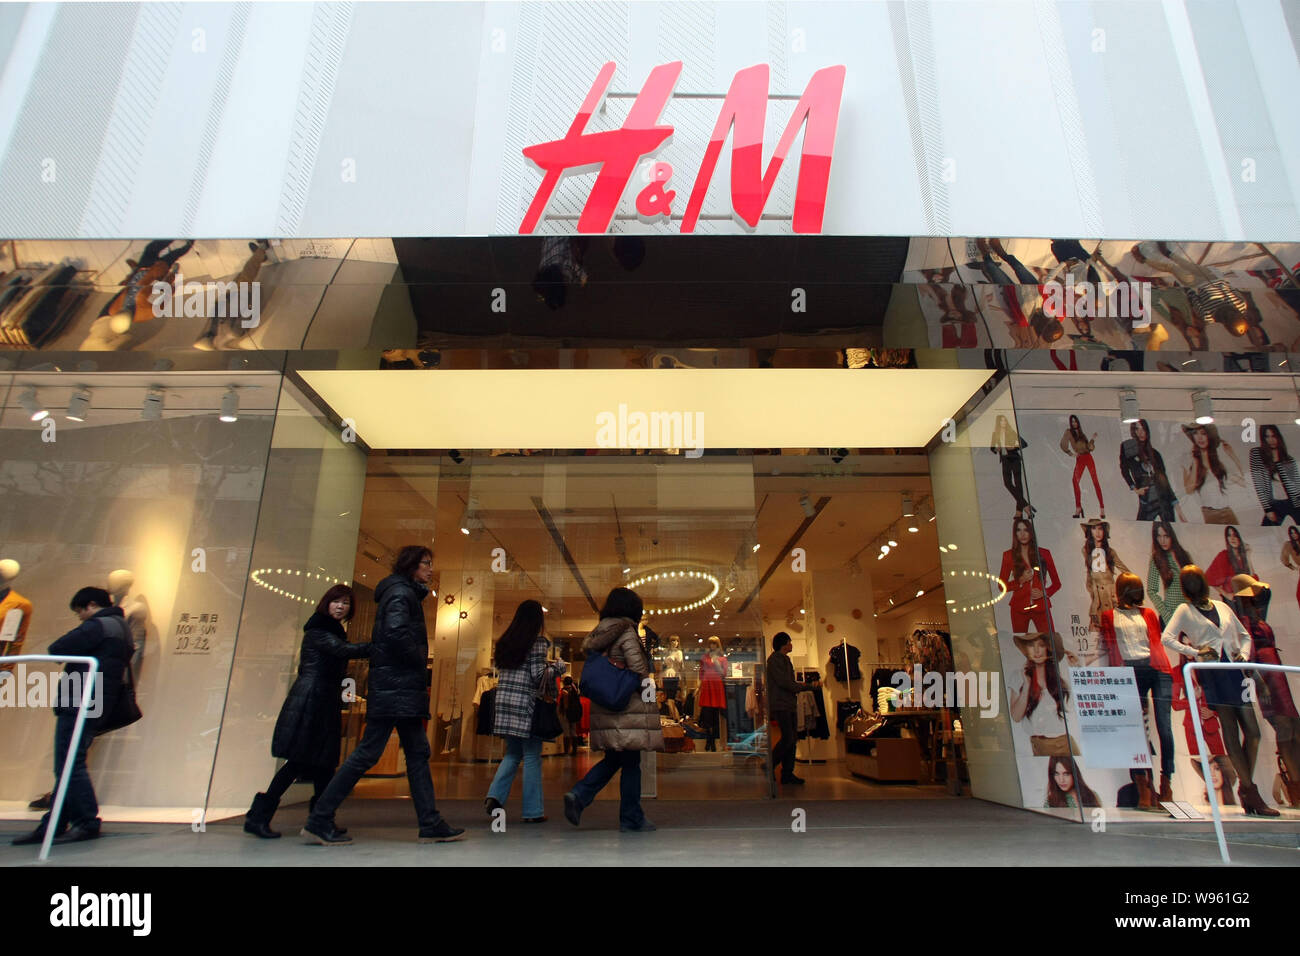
(102, 634)
(397, 699)
(782, 689)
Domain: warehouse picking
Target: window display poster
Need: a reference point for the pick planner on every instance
(1111, 733)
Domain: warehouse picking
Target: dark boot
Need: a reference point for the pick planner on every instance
(1252, 802)
(257, 820)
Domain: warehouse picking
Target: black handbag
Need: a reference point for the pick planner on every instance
(126, 711)
(546, 722)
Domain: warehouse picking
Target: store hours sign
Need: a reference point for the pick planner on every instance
(195, 633)
(618, 152)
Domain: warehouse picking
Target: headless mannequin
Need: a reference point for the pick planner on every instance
(673, 659)
(136, 611)
(15, 611)
(711, 699)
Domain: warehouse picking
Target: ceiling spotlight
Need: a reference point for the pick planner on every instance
(920, 592)
(891, 602)
(455, 455)
(908, 510)
(806, 504)
(756, 546)
(1128, 407)
(29, 403)
(943, 548)
(884, 550)
(229, 406)
(152, 408)
(78, 405)
(1202, 407)
(952, 547)
(893, 543)
(840, 455)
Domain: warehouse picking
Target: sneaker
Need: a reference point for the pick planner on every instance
(444, 832)
(324, 836)
(491, 805)
(77, 834)
(645, 827)
(572, 808)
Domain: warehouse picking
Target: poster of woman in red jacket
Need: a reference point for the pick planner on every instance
(1026, 569)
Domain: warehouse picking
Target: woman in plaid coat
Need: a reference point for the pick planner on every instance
(521, 663)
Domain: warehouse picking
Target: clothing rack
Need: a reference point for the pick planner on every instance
(810, 740)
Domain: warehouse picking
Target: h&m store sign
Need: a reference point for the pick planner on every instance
(618, 152)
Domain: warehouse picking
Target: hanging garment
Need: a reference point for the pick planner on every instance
(486, 713)
(844, 673)
(805, 713)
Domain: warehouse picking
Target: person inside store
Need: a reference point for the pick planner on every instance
(1130, 637)
(1040, 702)
(1208, 630)
(570, 708)
(101, 634)
(1029, 573)
(1275, 701)
(623, 735)
(1065, 785)
(397, 698)
(307, 733)
(522, 668)
(782, 692)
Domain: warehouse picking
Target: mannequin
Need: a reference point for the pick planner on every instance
(136, 611)
(671, 667)
(15, 612)
(712, 701)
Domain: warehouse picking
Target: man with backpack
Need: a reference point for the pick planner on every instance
(571, 715)
(102, 634)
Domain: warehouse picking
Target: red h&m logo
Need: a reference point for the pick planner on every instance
(617, 152)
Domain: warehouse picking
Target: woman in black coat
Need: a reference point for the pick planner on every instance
(307, 732)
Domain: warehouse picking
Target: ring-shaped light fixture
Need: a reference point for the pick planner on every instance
(681, 575)
(1002, 590)
(261, 575)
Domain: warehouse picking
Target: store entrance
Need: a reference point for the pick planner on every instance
(837, 550)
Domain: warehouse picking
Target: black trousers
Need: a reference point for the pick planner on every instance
(410, 733)
(783, 752)
(291, 771)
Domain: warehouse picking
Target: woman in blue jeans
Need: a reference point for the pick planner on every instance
(521, 663)
(623, 734)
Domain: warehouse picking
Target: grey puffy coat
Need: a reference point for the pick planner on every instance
(636, 727)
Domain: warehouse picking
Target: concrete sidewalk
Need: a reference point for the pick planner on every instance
(844, 833)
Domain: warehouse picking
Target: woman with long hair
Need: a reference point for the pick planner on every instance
(1275, 701)
(1275, 476)
(1234, 559)
(520, 657)
(624, 734)
(1130, 637)
(307, 732)
(1040, 702)
(1006, 444)
(1291, 555)
(1210, 467)
(1143, 469)
(1207, 630)
(1167, 558)
(1100, 565)
(1079, 447)
(1026, 569)
(1065, 786)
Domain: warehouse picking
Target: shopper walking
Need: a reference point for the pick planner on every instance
(397, 699)
(623, 735)
(521, 668)
(102, 634)
(782, 690)
(307, 732)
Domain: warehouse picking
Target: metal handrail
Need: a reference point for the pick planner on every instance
(1195, 711)
(60, 791)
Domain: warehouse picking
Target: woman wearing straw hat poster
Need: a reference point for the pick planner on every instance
(1101, 565)
(1040, 702)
